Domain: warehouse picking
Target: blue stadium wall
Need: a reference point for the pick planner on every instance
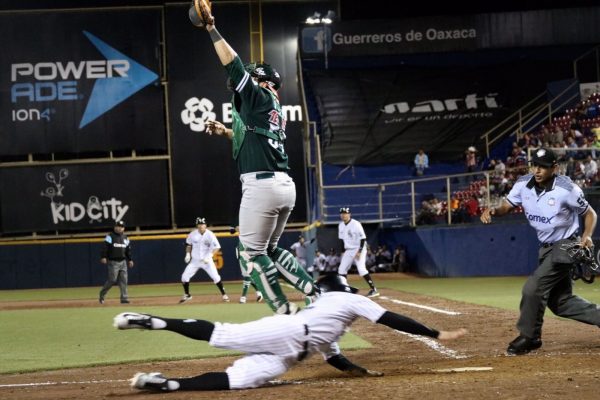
(500, 249)
(67, 264)
(474, 250)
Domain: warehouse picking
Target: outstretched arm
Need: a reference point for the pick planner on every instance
(408, 325)
(224, 50)
(505, 208)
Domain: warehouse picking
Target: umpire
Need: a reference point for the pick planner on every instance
(552, 205)
(116, 253)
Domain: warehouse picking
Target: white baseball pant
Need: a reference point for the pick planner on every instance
(264, 210)
(273, 345)
(195, 265)
(348, 258)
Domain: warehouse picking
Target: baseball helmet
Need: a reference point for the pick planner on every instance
(120, 223)
(335, 283)
(345, 210)
(264, 73)
(200, 220)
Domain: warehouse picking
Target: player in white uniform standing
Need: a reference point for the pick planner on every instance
(299, 249)
(552, 205)
(201, 244)
(275, 344)
(355, 248)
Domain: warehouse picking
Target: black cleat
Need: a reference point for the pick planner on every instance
(523, 345)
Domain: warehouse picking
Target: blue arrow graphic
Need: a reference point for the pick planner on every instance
(108, 92)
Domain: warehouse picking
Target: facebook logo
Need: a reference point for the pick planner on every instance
(314, 39)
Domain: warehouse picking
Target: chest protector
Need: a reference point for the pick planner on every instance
(240, 129)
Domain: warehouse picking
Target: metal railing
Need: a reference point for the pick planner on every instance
(399, 202)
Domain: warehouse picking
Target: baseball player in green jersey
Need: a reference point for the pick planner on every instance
(268, 192)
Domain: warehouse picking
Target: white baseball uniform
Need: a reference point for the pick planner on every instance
(352, 233)
(300, 250)
(317, 328)
(203, 247)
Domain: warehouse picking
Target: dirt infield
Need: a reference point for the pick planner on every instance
(567, 366)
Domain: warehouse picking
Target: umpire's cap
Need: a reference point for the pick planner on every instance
(335, 283)
(345, 210)
(120, 223)
(544, 158)
(200, 220)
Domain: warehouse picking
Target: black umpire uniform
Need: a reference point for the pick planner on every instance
(116, 253)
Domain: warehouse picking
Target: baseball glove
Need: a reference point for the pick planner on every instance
(200, 13)
(585, 266)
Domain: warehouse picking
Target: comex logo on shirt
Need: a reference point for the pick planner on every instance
(539, 218)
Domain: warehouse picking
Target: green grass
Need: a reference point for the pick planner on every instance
(46, 339)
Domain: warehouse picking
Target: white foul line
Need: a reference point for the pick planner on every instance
(433, 309)
(62, 383)
(434, 345)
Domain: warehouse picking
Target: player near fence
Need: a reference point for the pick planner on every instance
(273, 345)
(353, 236)
(268, 192)
(200, 246)
(552, 205)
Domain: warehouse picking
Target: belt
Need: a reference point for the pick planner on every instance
(302, 355)
(265, 175)
(250, 176)
(546, 245)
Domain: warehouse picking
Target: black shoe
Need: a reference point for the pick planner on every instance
(101, 300)
(523, 345)
(124, 301)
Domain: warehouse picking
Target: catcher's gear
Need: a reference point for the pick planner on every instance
(200, 13)
(264, 73)
(334, 283)
(585, 266)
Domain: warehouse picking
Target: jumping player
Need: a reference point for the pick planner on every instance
(316, 329)
(201, 245)
(351, 232)
(268, 192)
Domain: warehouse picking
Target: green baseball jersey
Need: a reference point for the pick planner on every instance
(258, 124)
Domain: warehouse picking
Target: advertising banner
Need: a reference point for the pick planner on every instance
(81, 82)
(84, 197)
(414, 35)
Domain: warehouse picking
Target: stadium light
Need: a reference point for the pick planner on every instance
(314, 19)
(328, 19)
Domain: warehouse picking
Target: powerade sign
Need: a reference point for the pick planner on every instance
(116, 78)
(80, 90)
